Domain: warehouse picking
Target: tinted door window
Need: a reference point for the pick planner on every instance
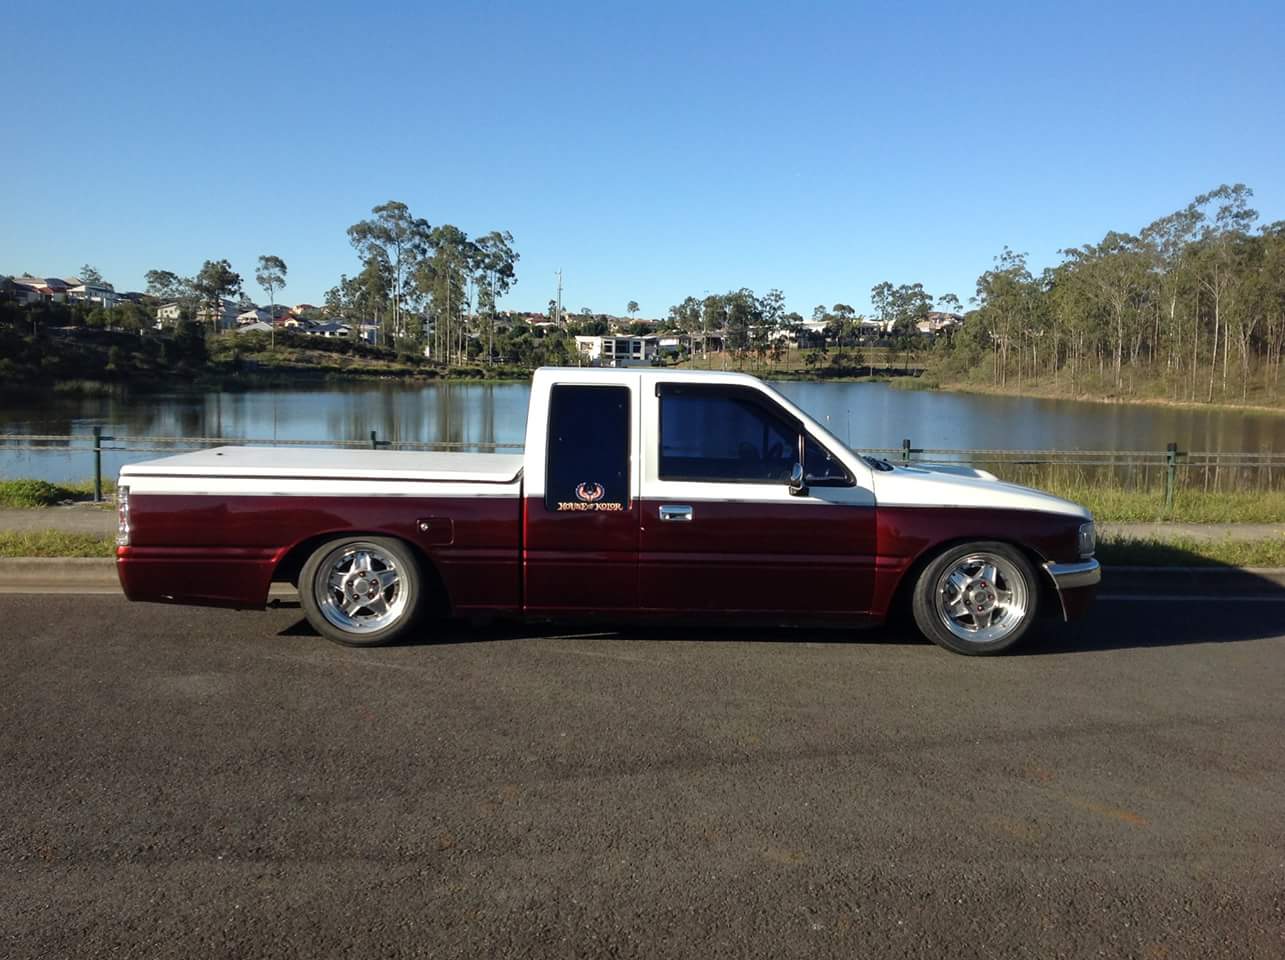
(588, 466)
(724, 434)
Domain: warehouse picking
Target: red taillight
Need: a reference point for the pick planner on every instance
(122, 516)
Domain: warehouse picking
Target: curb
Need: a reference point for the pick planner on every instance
(97, 575)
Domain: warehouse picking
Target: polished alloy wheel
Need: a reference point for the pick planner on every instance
(360, 588)
(982, 598)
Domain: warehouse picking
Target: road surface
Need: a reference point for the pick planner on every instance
(187, 783)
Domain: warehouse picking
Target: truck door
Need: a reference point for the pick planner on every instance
(721, 531)
(581, 517)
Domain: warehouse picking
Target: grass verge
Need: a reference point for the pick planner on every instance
(1185, 552)
(54, 543)
(26, 494)
(1119, 505)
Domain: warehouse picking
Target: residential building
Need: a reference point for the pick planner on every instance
(618, 351)
(936, 323)
(221, 318)
(101, 293)
(330, 330)
(253, 315)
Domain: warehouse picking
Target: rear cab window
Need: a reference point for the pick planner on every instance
(587, 468)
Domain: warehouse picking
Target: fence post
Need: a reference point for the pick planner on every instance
(98, 464)
(905, 450)
(1171, 473)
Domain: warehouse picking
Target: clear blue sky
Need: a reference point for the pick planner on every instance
(649, 150)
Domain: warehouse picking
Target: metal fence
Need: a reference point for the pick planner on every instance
(1164, 472)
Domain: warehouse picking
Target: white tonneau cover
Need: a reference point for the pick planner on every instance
(329, 463)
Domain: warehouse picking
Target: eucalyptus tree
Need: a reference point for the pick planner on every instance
(215, 282)
(401, 240)
(632, 307)
(1219, 254)
(497, 265)
(271, 276)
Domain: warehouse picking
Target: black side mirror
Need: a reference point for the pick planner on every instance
(797, 487)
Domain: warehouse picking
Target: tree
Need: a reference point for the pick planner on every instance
(497, 262)
(216, 281)
(164, 285)
(632, 308)
(397, 238)
(89, 274)
(271, 276)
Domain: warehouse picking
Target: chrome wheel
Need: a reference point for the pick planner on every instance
(982, 598)
(361, 589)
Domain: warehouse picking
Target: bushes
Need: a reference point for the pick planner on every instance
(31, 493)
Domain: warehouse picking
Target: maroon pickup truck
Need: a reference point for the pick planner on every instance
(640, 494)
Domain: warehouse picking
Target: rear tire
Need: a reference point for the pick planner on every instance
(977, 599)
(362, 591)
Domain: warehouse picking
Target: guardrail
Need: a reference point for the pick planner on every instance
(1168, 468)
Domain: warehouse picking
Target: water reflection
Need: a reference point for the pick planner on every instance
(868, 414)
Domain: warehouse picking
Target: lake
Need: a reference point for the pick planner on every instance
(867, 414)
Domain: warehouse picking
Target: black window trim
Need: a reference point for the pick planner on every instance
(758, 399)
(629, 437)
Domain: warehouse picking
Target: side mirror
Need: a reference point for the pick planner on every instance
(797, 487)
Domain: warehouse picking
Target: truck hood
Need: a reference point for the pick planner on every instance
(948, 486)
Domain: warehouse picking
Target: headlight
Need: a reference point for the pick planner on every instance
(1087, 539)
(122, 516)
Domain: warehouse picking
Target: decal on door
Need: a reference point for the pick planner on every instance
(589, 496)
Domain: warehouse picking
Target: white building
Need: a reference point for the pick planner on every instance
(618, 351)
(253, 315)
(100, 293)
(330, 330)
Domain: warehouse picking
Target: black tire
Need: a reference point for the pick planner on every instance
(368, 625)
(1004, 625)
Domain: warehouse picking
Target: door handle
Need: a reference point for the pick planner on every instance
(675, 511)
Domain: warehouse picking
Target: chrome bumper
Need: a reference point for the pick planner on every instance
(1070, 576)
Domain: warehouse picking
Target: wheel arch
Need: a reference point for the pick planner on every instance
(1049, 601)
(437, 598)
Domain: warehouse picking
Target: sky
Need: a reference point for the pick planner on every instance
(649, 151)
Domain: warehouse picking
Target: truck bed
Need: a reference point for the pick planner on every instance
(313, 463)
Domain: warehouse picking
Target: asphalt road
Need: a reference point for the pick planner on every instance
(187, 783)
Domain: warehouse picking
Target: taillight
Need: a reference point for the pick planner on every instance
(122, 516)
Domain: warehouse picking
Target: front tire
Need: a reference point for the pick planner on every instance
(361, 592)
(977, 599)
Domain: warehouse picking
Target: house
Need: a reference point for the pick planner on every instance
(618, 351)
(168, 313)
(221, 318)
(298, 323)
(253, 315)
(37, 289)
(101, 293)
(330, 330)
(935, 323)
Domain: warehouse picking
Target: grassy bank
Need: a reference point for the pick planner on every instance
(25, 494)
(1119, 505)
(54, 543)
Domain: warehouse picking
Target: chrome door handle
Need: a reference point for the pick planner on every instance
(674, 511)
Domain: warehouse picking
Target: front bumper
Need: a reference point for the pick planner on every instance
(1076, 585)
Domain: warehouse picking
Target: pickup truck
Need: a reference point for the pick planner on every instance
(641, 493)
